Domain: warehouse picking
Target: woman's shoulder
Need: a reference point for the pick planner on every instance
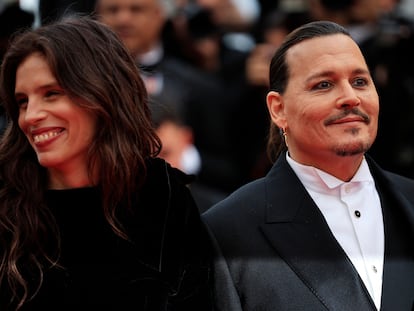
(166, 215)
(159, 170)
(165, 182)
(164, 193)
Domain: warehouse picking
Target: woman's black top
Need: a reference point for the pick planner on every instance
(164, 266)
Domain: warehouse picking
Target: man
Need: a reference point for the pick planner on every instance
(326, 229)
(171, 82)
(139, 23)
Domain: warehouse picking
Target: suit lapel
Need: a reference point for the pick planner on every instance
(398, 275)
(298, 232)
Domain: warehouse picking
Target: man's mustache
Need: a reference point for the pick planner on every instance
(346, 112)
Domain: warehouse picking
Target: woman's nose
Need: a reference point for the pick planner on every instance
(33, 112)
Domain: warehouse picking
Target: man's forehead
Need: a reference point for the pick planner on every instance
(330, 47)
(316, 41)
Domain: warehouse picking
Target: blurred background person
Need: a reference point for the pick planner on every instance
(177, 143)
(171, 81)
(241, 118)
(179, 150)
(234, 18)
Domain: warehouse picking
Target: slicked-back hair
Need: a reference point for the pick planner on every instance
(279, 70)
(97, 72)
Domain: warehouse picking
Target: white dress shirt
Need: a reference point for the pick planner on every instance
(354, 215)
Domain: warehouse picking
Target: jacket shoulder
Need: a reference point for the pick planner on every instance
(404, 184)
(243, 201)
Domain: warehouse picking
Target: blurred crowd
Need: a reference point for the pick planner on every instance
(205, 65)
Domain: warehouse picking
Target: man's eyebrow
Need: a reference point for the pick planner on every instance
(328, 73)
(321, 74)
(361, 71)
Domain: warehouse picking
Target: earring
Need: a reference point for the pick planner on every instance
(284, 133)
(284, 136)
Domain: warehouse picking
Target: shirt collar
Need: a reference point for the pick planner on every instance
(318, 180)
(151, 57)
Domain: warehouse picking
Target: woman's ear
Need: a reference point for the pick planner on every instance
(276, 108)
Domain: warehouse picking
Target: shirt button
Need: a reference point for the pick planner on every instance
(374, 269)
(357, 214)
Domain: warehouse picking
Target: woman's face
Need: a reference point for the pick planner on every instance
(59, 130)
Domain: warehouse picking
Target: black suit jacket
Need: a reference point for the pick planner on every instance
(274, 250)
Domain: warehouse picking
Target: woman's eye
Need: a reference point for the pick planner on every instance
(21, 102)
(52, 93)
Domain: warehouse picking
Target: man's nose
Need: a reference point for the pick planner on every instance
(123, 16)
(348, 97)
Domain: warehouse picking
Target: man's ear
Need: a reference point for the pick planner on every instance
(276, 107)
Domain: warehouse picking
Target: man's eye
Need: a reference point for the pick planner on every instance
(136, 9)
(111, 10)
(322, 85)
(360, 82)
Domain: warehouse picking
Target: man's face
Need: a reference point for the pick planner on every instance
(138, 22)
(330, 106)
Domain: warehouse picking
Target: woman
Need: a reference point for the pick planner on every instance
(89, 217)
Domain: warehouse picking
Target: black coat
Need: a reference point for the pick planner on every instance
(164, 266)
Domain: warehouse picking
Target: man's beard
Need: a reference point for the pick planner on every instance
(351, 150)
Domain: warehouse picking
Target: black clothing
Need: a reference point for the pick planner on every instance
(161, 268)
(389, 52)
(281, 255)
(12, 19)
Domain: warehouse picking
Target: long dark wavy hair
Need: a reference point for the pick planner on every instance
(279, 71)
(94, 68)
